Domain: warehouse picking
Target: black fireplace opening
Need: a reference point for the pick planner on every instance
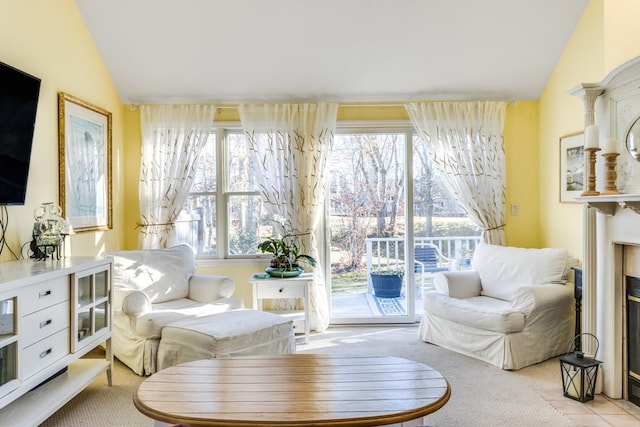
(633, 338)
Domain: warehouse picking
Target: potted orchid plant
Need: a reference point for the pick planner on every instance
(287, 259)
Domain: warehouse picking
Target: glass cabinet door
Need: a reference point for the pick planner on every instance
(92, 305)
(8, 345)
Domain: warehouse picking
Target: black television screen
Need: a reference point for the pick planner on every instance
(19, 93)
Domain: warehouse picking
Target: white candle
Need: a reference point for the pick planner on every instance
(591, 140)
(610, 146)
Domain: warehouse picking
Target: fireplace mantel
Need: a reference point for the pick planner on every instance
(611, 222)
(607, 204)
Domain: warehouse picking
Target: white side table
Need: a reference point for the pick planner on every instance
(276, 288)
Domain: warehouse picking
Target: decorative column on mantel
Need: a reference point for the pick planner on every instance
(589, 94)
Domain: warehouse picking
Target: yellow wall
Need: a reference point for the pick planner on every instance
(521, 153)
(49, 40)
(132, 152)
(607, 35)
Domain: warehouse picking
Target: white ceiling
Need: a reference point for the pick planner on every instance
(165, 51)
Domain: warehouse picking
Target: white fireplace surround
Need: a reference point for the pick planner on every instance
(610, 223)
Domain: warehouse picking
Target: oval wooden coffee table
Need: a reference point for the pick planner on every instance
(293, 390)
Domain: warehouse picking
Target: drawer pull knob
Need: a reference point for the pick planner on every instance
(281, 289)
(45, 323)
(46, 353)
(44, 293)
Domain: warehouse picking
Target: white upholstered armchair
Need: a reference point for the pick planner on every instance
(152, 288)
(514, 309)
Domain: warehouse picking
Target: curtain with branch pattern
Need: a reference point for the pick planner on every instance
(465, 142)
(172, 138)
(291, 144)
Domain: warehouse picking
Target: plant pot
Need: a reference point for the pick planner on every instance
(283, 272)
(386, 285)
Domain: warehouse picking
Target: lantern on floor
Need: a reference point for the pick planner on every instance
(579, 373)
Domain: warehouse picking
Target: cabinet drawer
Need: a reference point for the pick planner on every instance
(42, 354)
(280, 290)
(43, 323)
(44, 294)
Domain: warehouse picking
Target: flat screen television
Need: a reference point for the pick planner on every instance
(19, 94)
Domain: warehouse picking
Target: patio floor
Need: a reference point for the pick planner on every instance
(363, 305)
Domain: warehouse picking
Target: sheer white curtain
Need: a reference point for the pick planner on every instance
(466, 144)
(291, 144)
(172, 139)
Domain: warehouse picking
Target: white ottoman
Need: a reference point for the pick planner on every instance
(231, 333)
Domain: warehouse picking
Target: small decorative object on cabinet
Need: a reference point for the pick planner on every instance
(49, 231)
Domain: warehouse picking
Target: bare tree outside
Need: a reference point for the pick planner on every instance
(367, 193)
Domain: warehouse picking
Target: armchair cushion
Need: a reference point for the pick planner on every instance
(150, 324)
(163, 274)
(208, 288)
(503, 270)
(458, 284)
(486, 313)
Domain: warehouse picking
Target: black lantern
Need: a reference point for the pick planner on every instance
(579, 373)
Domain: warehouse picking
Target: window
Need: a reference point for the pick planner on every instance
(197, 222)
(245, 213)
(224, 193)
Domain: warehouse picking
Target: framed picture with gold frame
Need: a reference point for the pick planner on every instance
(571, 167)
(84, 138)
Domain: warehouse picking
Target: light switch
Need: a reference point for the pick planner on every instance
(515, 209)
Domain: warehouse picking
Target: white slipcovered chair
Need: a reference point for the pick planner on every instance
(514, 308)
(153, 288)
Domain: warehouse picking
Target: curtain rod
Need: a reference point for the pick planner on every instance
(350, 105)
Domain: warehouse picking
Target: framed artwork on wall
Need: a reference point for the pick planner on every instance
(571, 167)
(84, 138)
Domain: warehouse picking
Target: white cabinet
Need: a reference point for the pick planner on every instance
(91, 300)
(52, 313)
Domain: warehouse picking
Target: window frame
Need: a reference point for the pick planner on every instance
(222, 194)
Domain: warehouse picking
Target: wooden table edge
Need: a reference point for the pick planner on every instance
(379, 420)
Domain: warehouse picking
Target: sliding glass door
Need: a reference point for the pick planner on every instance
(389, 212)
(368, 228)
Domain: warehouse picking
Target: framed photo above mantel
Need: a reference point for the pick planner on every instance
(84, 138)
(571, 167)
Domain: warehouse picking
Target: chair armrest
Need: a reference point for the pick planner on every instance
(458, 284)
(541, 298)
(209, 288)
(132, 302)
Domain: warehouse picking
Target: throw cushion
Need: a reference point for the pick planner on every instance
(163, 274)
(504, 269)
(458, 284)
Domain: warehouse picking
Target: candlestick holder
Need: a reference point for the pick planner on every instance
(590, 165)
(611, 176)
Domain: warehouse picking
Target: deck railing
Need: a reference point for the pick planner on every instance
(389, 252)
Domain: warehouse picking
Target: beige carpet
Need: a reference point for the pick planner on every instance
(482, 395)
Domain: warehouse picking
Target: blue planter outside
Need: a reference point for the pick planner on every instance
(386, 285)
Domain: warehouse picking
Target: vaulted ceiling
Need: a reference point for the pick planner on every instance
(165, 51)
